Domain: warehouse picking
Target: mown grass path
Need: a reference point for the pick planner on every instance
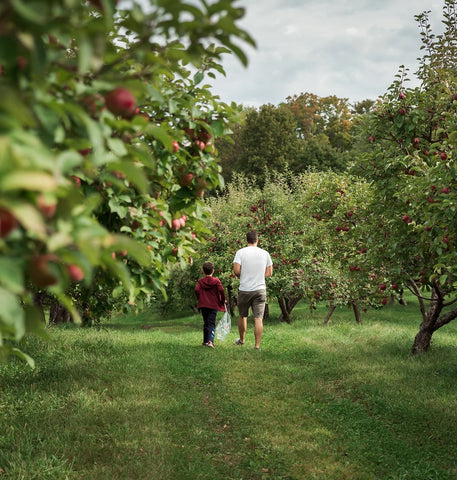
(344, 401)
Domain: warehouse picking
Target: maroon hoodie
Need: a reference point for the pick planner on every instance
(210, 293)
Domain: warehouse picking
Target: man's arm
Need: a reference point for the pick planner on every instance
(237, 269)
(269, 271)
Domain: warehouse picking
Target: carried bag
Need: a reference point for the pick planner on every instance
(223, 327)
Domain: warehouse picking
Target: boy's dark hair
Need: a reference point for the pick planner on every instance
(208, 268)
(252, 237)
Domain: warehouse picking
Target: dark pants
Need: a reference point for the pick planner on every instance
(209, 324)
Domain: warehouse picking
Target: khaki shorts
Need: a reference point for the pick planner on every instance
(256, 300)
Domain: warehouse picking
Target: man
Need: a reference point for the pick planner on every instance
(252, 265)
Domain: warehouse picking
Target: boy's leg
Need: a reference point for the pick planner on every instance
(211, 321)
(205, 325)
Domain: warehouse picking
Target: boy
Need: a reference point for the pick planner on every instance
(211, 298)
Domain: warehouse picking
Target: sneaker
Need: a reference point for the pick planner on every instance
(210, 344)
(238, 342)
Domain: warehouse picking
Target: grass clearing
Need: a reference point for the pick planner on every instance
(344, 401)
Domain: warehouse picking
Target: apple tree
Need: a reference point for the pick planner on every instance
(338, 269)
(412, 139)
(106, 147)
(270, 211)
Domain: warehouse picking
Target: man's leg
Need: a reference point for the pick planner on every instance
(242, 326)
(258, 309)
(258, 330)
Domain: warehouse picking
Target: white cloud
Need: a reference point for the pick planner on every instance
(348, 48)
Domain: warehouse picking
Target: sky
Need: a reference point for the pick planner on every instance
(349, 48)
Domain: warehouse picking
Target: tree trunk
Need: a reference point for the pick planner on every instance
(422, 340)
(433, 319)
(58, 313)
(287, 304)
(38, 300)
(358, 316)
(231, 301)
(329, 314)
(401, 300)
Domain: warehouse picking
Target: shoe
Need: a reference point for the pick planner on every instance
(210, 344)
(238, 342)
(205, 344)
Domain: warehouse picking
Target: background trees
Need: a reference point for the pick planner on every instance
(305, 132)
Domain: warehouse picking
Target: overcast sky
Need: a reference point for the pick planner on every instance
(348, 48)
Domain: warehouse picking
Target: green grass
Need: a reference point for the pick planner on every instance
(340, 402)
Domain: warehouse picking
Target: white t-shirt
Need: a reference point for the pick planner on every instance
(253, 261)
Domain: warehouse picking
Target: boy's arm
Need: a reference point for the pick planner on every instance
(221, 293)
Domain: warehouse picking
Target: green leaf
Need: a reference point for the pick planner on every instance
(116, 207)
(30, 218)
(11, 314)
(34, 322)
(198, 77)
(84, 53)
(11, 274)
(28, 180)
(161, 134)
(23, 356)
(117, 146)
(68, 161)
(33, 15)
(136, 250)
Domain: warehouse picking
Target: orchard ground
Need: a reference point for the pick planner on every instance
(344, 401)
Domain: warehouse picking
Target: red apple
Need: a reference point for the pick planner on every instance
(47, 208)
(22, 62)
(401, 96)
(443, 156)
(120, 101)
(382, 286)
(75, 273)
(77, 180)
(85, 151)
(186, 180)
(175, 146)
(200, 145)
(445, 190)
(8, 222)
(175, 224)
(402, 111)
(40, 273)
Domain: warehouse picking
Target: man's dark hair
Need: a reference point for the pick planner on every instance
(208, 268)
(252, 237)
